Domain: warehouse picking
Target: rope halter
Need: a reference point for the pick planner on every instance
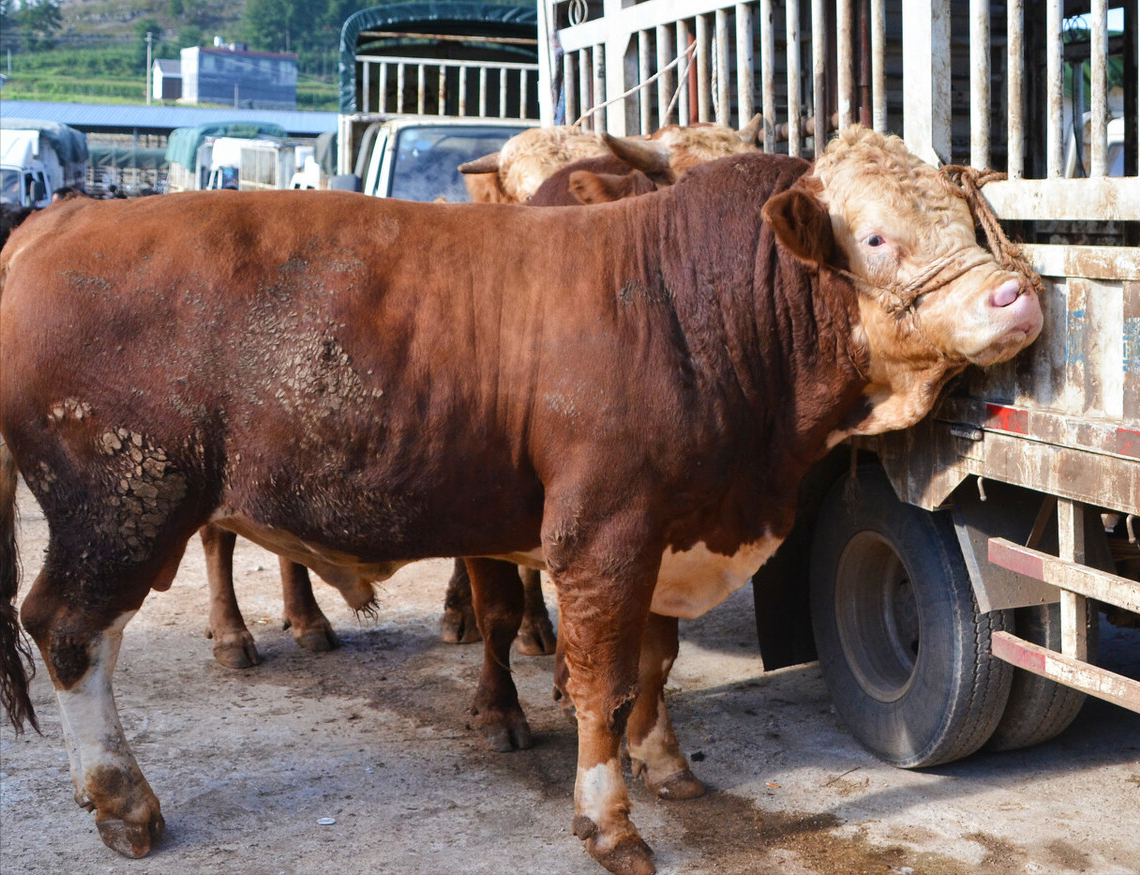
(966, 183)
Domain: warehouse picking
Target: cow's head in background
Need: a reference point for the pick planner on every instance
(932, 300)
(515, 173)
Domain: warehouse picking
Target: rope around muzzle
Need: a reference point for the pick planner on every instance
(964, 182)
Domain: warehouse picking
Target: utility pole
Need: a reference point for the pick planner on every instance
(149, 46)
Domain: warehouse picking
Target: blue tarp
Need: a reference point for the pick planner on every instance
(69, 144)
(182, 146)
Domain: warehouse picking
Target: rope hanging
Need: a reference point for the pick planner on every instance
(966, 182)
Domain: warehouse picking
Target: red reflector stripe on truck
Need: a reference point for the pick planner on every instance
(1128, 443)
(1002, 418)
(1007, 555)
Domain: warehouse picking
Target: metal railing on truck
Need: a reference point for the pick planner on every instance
(992, 85)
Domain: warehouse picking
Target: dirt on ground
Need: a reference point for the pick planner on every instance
(364, 759)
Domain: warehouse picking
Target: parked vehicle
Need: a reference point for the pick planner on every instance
(37, 159)
(190, 151)
(949, 576)
(254, 164)
(422, 94)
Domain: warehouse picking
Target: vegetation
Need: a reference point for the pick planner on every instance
(95, 51)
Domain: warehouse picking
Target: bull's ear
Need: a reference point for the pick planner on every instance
(600, 188)
(801, 223)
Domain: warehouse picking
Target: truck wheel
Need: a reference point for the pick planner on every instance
(902, 646)
(1039, 709)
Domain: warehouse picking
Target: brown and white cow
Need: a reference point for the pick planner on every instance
(514, 174)
(627, 393)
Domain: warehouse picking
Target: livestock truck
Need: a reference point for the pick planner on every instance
(950, 577)
(37, 159)
(425, 87)
(193, 164)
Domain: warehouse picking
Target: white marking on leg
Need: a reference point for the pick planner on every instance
(599, 792)
(90, 718)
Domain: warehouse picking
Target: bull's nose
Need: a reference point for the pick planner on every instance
(1006, 293)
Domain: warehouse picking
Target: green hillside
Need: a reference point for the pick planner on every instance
(94, 51)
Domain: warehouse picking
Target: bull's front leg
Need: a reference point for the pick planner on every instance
(80, 651)
(603, 603)
(654, 752)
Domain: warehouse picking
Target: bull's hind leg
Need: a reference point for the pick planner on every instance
(76, 612)
(536, 635)
(233, 644)
(654, 752)
(457, 624)
(303, 617)
(498, 600)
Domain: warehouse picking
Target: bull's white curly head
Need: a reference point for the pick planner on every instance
(932, 300)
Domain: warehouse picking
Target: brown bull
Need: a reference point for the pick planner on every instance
(628, 394)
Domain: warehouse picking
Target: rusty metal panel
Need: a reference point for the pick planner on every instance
(878, 66)
(1098, 49)
(1130, 354)
(1072, 576)
(644, 71)
(1067, 671)
(1055, 146)
(1015, 87)
(768, 73)
(845, 63)
(819, 73)
(744, 27)
(723, 83)
(980, 83)
(795, 100)
(666, 82)
(1107, 199)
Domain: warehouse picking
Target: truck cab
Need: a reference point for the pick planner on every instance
(417, 157)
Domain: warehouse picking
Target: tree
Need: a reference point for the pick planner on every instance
(36, 20)
(151, 26)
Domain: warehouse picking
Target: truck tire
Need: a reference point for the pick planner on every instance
(1039, 709)
(902, 645)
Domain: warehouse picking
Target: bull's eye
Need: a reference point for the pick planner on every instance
(875, 240)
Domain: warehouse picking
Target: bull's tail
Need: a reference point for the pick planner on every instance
(16, 665)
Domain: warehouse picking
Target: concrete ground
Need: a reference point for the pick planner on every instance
(364, 760)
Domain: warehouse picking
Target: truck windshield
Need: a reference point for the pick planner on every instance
(428, 158)
(10, 186)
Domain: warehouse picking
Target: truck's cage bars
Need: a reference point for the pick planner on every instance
(482, 89)
(942, 87)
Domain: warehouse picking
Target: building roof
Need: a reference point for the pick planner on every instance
(226, 50)
(100, 118)
(168, 67)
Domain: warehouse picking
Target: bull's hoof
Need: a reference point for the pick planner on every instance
(679, 785)
(236, 651)
(318, 638)
(505, 732)
(536, 637)
(131, 839)
(629, 855)
(458, 626)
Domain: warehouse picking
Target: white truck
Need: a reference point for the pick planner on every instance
(950, 577)
(37, 159)
(422, 95)
(254, 164)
